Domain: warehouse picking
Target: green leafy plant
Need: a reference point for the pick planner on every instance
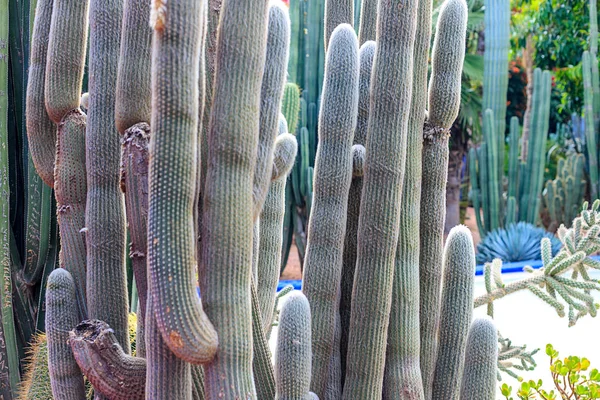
(571, 376)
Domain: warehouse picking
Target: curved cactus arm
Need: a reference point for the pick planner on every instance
(70, 184)
(109, 369)
(366, 55)
(273, 81)
(294, 352)
(337, 12)
(456, 312)
(481, 357)
(105, 208)
(61, 317)
(271, 222)
(133, 94)
(184, 326)
(227, 220)
(444, 101)
(41, 131)
(333, 175)
(134, 182)
(66, 57)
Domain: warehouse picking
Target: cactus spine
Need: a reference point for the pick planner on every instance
(227, 216)
(481, 358)
(391, 93)
(41, 131)
(333, 175)
(105, 218)
(294, 352)
(456, 312)
(180, 318)
(366, 54)
(61, 316)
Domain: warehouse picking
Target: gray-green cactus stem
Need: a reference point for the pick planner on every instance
(184, 326)
(61, 316)
(41, 131)
(333, 175)
(383, 180)
(481, 358)
(227, 221)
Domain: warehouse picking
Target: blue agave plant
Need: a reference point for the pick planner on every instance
(517, 242)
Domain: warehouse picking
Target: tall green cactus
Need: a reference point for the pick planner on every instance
(333, 175)
(444, 102)
(62, 315)
(366, 54)
(293, 355)
(228, 220)
(184, 326)
(481, 358)
(590, 132)
(563, 196)
(105, 217)
(455, 314)
(379, 220)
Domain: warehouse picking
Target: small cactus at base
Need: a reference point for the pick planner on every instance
(479, 377)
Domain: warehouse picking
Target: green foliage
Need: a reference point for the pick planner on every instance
(572, 378)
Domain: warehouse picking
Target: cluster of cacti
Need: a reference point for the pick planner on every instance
(387, 311)
(563, 196)
(521, 202)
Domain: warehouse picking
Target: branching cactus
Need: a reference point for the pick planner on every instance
(294, 355)
(61, 317)
(479, 380)
(41, 131)
(333, 175)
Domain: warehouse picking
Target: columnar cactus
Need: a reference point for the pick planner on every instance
(41, 131)
(271, 221)
(379, 220)
(590, 132)
(337, 12)
(481, 358)
(294, 352)
(64, 66)
(455, 314)
(227, 219)
(366, 54)
(62, 316)
(444, 101)
(368, 21)
(71, 189)
(105, 214)
(180, 318)
(278, 44)
(333, 175)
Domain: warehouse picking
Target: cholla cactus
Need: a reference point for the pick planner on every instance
(563, 282)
